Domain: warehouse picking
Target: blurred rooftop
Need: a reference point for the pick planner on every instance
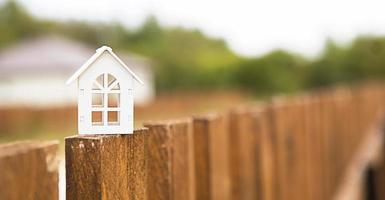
(33, 71)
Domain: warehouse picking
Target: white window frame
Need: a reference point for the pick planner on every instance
(106, 89)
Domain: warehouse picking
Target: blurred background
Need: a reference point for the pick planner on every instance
(194, 56)
(189, 54)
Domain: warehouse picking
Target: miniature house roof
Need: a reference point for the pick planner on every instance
(93, 58)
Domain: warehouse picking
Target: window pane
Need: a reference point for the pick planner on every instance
(116, 87)
(113, 100)
(113, 117)
(100, 80)
(97, 100)
(97, 118)
(111, 79)
(95, 86)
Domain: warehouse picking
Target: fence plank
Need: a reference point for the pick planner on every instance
(365, 156)
(160, 154)
(282, 149)
(296, 142)
(212, 161)
(302, 137)
(107, 166)
(244, 154)
(29, 170)
(313, 133)
(171, 152)
(183, 160)
(263, 122)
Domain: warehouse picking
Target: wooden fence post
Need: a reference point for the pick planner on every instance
(159, 169)
(171, 151)
(107, 166)
(244, 151)
(290, 144)
(313, 136)
(29, 170)
(279, 108)
(325, 113)
(269, 183)
(300, 163)
(212, 160)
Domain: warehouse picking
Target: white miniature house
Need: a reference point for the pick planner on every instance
(105, 87)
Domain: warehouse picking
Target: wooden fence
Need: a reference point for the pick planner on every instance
(28, 170)
(323, 145)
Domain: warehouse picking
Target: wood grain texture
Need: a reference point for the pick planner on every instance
(171, 152)
(292, 148)
(29, 170)
(244, 154)
(296, 145)
(280, 149)
(212, 160)
(159, 169)
(267, 168)
(107, 166)
(183, 160)
(312, 137)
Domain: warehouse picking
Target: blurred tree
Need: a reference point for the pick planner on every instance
(328, 69)
(188, 59)
(366, 58)
(277, 71)
(15, 23)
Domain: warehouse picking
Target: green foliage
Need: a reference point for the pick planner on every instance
(15, 23)
(188, 59)
(329, 68)
(277, 71)
(363, 59)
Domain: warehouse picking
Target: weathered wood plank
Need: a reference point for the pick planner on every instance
(159, 169)
(171, 152)
(313, 136)
(244, 149)
(267, 169)
(107, 166)
(183, 160)
(212, 160)
(282, 148)
(29, 170)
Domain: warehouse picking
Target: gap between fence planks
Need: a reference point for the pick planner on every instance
(29, 170)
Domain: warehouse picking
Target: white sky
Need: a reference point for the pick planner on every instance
(250, 27)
